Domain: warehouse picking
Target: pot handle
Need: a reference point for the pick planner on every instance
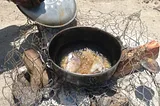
(121, 43)
(46, 61)
(44, 55)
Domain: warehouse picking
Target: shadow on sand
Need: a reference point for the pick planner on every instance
(7, 35)
(13, 33)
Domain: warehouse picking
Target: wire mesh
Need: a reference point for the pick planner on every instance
(136, 89)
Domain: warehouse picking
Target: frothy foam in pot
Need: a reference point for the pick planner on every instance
(85, 61)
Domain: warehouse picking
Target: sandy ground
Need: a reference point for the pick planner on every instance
(11, 19)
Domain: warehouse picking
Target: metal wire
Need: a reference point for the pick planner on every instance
(131, 31)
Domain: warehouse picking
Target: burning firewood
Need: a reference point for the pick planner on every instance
(133, 59)
(33, 63)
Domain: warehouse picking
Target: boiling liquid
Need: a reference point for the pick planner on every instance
(85, 61)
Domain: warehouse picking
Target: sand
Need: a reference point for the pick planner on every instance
(11, 19)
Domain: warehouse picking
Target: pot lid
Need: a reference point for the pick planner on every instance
(52, 13)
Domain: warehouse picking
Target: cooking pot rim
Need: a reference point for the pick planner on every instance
(77, 74)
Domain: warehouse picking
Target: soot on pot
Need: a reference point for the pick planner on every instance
(85, 61)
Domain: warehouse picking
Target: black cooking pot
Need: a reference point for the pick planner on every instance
(80, 37)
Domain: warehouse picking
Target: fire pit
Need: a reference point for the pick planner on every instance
(58, 92)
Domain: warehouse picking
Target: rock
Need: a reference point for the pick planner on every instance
(146, 1)
(33, 63)
(131, 58)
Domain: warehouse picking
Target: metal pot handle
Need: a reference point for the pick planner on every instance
(121, 43)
